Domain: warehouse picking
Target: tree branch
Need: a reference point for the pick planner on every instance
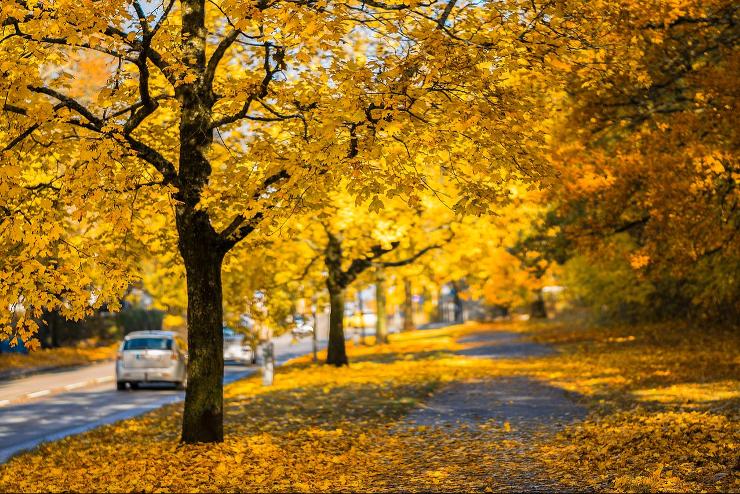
(165, 15)
(240, 226)
(445, 14)
(152, 156)
(20, 137)
(264, 85)
(70, 103)
(408, 260)
(359, 265)
(215, 59)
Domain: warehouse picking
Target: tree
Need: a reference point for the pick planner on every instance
(356, 241)
(648, 150)
(221, 118)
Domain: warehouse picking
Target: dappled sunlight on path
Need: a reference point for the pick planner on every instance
(489, 425)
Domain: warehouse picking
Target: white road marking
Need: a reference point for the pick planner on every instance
(36, 394)
(75, 385)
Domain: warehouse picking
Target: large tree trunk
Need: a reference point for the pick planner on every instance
(381, 323)
(201, 248)
(336, 352)
(203, 415)
(538, 310)
(408, 306)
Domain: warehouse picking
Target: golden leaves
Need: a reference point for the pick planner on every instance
(323, 429)
(674, 451)
(56, 357)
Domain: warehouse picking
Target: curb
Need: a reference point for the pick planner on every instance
(51, 391)
(9, 375)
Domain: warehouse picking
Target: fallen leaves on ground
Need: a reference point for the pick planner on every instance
(56, 357)
(639, 451)
(666, 407)
(321, 428)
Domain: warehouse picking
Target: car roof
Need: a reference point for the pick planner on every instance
(150, 334)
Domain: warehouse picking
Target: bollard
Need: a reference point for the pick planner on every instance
(268, 363)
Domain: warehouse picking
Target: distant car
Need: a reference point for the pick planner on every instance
(151, 357)
(235, 349)
(302, 330)
(366, 320)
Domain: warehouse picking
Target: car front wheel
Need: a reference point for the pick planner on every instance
(121, 385)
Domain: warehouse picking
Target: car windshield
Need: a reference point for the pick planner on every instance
(148, 344)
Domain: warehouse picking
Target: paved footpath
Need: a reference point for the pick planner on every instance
(50, 406)
(521, 408)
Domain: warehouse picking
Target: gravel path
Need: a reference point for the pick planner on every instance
(500, 419)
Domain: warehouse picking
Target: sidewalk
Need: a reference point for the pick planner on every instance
(503, 418)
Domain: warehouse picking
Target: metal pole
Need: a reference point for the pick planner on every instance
(268, 363)
(362, 318)
(314, 342)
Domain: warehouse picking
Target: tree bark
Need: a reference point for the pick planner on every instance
(381, 324)
(49, 329)
(200, 246)
(538, 310)
(336, 283)
(203, 414)
(408, 306)
(336, 353)
(362, 316)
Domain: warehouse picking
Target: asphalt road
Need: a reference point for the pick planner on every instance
(50, 406)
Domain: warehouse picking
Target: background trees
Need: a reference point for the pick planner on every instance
(648, 161)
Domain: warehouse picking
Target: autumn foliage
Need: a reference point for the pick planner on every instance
(662, 417)
(235, 156)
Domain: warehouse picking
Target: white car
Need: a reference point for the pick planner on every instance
(151, 357)
(365, 320)
(235, 349)
(302, 330)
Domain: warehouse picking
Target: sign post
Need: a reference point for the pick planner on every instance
(268, 363)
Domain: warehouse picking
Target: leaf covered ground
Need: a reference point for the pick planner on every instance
(55, 357)
(662, 402)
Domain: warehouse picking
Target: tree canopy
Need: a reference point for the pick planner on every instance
(190, 136)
